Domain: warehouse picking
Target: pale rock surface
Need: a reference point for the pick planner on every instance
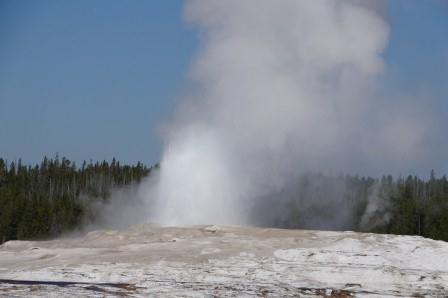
(207, 261)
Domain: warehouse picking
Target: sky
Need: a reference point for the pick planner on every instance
(92, 80)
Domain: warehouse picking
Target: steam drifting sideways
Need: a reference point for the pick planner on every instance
(277, 89)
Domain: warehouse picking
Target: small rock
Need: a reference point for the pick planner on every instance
(211, 229)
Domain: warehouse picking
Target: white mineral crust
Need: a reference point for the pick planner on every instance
(148, 260)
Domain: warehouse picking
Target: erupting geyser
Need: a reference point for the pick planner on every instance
(278, 88)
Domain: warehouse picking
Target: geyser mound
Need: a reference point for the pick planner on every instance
(225, 261)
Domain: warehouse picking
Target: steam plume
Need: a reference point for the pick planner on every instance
(278, 88)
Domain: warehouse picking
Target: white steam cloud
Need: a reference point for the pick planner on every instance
(278, 88)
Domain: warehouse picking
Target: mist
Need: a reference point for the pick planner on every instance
(278, 89)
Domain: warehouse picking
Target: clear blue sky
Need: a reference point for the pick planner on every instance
(92, 79)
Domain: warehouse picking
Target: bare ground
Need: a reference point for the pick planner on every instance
(207, 261)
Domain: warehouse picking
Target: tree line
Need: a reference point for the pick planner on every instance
(403, 206)
(56, 196)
